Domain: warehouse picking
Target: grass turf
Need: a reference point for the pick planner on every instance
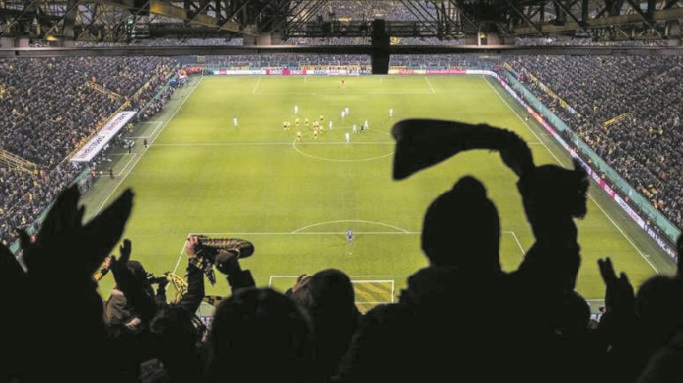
(295, 200)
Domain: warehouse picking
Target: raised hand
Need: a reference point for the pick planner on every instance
(191, 245)
(618, 323)
(65, 247)
(516, 154)
(132, 281)
(118, 266)
(619, 294)
(64, 255)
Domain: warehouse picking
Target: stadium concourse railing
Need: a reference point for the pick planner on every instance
(656, 225)
(84, 176)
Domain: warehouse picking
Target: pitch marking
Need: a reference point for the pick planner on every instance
(353, 221)
(118, 185)
(294, 145)
(430, 85)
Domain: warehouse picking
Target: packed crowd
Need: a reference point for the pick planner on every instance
(293, 60)
(459, 318)
(161, 42)
(586, 41)
(283, 60)
(642, 94)
(43, 126)
(447, 61)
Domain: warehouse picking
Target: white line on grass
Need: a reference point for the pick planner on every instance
(256, 86)
(159, 125)
(118, 185)
(180, 258)
(319, 233)
(345, 94)
(516, 240)
(351, 143)
(272, 143)
(127, 163)
(373, 281)
(645, 257)
(430, 85)
(392, 291)
(298, 232)
(351, 221)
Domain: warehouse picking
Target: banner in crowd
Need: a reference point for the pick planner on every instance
(101, 138)
(240, 72)
(285, 72)
(547, 90)
(407, 71)
(616, 119)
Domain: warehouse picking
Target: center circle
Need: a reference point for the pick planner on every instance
(331, 145)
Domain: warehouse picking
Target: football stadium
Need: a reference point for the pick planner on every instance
(358, 195)
(296, 199)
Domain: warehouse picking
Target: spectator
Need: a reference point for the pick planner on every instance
(260, 335)
(329, 299)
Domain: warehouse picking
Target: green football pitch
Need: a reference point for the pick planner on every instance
(295, 200)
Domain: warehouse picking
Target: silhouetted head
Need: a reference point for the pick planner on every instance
(659, 304)
(574, 315)
(259, 335)
(462, 228)
(138, 272)
(329, 298)
(137, 269)
(325, 291)
(174, 324)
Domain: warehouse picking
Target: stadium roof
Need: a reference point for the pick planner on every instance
(336, 49)
(125, 20)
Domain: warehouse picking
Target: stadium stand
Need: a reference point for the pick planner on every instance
(460, 316)
(586, 42)
(627, 109)
(41, 126)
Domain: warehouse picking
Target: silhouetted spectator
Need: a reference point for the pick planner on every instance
(260, 335)
(448, 322)
(329, 299)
